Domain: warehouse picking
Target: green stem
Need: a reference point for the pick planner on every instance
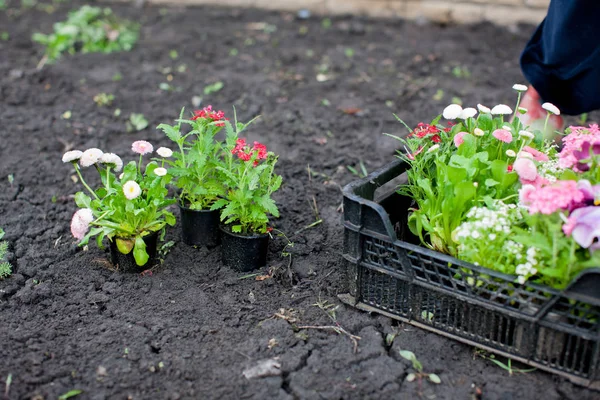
(140, 165)
(546, 122)
(517, 106)
(83, 181)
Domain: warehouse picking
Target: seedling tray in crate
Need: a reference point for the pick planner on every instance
(389, 273)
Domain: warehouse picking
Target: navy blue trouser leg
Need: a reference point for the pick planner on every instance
(562, 59)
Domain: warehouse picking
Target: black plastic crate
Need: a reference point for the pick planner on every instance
(389, 273)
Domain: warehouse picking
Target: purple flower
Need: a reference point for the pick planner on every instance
(584, 225)
(591, 194)
(583, 156)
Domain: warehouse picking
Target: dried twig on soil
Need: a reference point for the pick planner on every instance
(337, 329)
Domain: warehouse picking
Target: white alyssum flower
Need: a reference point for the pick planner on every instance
(452, 111)
(72, 156)
(526, 134)
(113, 160)
(483, 109)
(160, 171)
(519, 88)
(90, 157)
(550, 169)
(468, 112)
(551, 108)
(478, 132)
(131, 190)
(501, 109)
(164, 152)
(511, 153)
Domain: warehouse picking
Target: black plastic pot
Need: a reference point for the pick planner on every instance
(126, 262)
(244, 252)
(200, 227)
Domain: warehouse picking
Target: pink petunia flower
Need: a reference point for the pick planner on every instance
(503, 135)
(142, 147)
(574, 142)
(459, 138)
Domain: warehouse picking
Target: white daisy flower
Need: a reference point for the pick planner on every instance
(72, 156)
(478, 132)
(519, 88)
(501, 109)
(511, 153)
(483, 109)
(551, 108)
(113, 160)
(90, 157)
(164, 152)
(452, 111)
(526, 134)
(468, 112)
(131, 190)
(160, 171)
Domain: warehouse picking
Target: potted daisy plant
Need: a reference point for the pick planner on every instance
(130, 209)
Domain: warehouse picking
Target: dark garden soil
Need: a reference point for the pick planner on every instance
(191, 328)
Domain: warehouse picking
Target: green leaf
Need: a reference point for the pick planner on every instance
(139, 251)
(491, 183)
(219, 204)
(213, 88)
(569, 175)
(124, 245)
(138, 121)
(434, 378)
(82, 200)
(172, 132)
(409, 355)
(236, 228)
(169, 218)
(69, 394)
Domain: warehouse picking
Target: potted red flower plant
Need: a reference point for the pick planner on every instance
(250, 181)
(194, 166)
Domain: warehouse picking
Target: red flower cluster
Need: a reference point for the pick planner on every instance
(425, 130)
(208, 113)
(244, 152)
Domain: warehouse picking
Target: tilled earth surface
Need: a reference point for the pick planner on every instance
(326, 90)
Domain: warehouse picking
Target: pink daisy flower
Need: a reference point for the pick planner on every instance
(142, 147)
(502, 135)
(459, 138)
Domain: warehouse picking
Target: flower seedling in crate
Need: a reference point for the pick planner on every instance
(126, 208)
(486, 188)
